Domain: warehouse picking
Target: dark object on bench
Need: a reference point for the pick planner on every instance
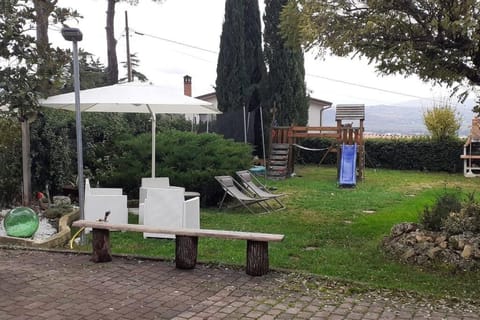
(186, 243)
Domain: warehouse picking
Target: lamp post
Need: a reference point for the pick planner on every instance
(75, 35)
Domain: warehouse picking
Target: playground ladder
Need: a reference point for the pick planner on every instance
(278, 161)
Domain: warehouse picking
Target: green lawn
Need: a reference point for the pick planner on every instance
(332, 232)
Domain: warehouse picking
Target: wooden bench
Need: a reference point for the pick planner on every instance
(186, 243)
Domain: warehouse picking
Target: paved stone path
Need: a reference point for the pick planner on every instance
(56, 286)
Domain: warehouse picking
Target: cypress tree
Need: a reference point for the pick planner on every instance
(231, 73)
(255, 69)
(241, 67)
(286, 88)
(254, 62)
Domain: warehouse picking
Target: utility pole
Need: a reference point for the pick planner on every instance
(129, 62)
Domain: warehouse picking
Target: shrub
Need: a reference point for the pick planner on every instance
(53, 140)
(190, 160)
(11, 167)
(421, 153)
(442, 121)
(55, 212)
(432, 219)
(465, 220)
(53, 150)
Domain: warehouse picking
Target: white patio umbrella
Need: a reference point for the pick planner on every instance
(132, 97)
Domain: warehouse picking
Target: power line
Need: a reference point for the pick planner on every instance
(365, 86)
(308, 74)
(175, 42)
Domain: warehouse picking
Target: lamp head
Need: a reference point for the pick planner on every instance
(72, 34)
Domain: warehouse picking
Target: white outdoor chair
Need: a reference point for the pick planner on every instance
(166, 207)
(100, 200)
(148, 183)
(160, 182)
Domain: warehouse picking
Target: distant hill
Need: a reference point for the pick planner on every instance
(404, 118)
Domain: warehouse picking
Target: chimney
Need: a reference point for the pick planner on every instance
(187, 86)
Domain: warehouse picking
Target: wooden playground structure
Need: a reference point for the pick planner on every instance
(471, 151)
(284, 139)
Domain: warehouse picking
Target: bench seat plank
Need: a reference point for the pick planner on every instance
(470, 156)
(240, 235)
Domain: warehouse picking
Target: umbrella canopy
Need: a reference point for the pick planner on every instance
(132, 97)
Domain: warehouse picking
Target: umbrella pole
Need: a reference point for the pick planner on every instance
(154, 129)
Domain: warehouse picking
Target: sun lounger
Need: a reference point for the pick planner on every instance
(251, 183)
(239, 193)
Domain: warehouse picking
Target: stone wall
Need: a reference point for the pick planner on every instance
(409, 243)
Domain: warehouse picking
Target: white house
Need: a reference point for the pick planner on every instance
(315, 109)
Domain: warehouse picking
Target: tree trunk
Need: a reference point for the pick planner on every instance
(101, 245)
(186, 252)
(26, 164)
(112, 65)
(257, 258)
(43, 9)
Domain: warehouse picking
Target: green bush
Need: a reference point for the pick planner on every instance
(442, 121)
(56, 212)
(53, 143)
(10, 160)
(433, 218)
(467, 219)
(449, 214)
(190, 160)
(53, 150)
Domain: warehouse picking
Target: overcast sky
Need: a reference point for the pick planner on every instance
(196, 27)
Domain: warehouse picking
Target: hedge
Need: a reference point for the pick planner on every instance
(423, 154)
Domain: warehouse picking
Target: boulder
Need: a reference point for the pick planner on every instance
(61, 201)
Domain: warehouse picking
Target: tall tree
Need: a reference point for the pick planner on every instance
(112, 61)
(92, 72)
(52, 60)
(254, 63)
(134, 62)
(30, 68)
(286, 71)
(231, 73)
(241, 68)
(255, 69)
(435, 39)
(18, 78)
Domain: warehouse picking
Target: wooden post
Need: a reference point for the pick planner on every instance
(186, 252)
(101, 245)
(257, 258)
(291, 154)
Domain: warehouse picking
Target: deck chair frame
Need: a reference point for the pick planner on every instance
(238, 192)
(251, 183)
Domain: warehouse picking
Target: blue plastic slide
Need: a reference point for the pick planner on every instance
(348, 172)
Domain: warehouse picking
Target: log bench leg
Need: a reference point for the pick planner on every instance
(257, 258)
(101, 245)
(186, 249)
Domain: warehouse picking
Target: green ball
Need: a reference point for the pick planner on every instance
(21, 222)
